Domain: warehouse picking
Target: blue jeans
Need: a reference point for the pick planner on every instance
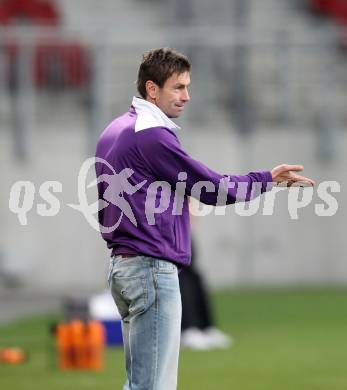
(146, 292)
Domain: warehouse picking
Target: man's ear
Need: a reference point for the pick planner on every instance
(151, 89)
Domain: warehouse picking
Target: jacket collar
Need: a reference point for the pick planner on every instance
(149, 115)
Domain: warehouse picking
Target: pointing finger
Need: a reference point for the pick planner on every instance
(302, 179)
(296, 168)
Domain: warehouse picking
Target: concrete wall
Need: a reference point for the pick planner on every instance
(63, 252)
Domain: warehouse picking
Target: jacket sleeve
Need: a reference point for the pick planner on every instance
(167, 161)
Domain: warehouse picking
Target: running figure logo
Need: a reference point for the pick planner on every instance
(118, 184)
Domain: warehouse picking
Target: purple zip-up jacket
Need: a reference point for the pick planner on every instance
(137, 215)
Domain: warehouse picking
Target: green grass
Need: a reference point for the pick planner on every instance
(284, 340)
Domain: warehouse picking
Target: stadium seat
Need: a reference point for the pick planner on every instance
(335, 9)
(57, 63)
(37, 12)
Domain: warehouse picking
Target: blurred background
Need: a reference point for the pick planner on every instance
(268, 86)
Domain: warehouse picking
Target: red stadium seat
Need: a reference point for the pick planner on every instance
(336, 9)
(61, 64)
(321, 6)
(35, 11)
(5, 14)
(339, 11)
(56, 64)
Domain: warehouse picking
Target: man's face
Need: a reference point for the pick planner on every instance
(173, 96)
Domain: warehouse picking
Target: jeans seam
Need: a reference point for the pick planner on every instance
(156, 336)
(131, 358)
(145, 293)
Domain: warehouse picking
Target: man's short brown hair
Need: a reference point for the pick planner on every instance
(158, 65)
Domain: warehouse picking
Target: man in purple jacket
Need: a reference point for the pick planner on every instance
(144, 181)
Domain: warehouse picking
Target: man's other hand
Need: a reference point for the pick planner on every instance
(286, 175)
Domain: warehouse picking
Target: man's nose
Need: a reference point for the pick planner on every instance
(185, 95)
